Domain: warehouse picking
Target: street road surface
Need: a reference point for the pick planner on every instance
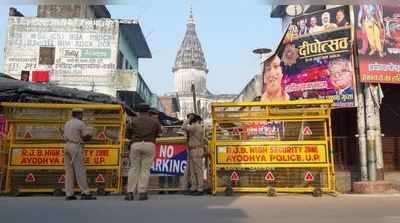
(179, 208)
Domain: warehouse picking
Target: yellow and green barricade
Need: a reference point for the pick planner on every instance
(36, 147)
(272, 147)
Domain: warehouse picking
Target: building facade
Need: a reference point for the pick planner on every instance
(81, 47)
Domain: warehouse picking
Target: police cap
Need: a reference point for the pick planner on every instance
(154, 111)
(76, 110)
(142, 107)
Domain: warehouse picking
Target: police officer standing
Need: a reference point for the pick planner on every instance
(196, 153)
(145, 130)
(186, 176)
(76, 133)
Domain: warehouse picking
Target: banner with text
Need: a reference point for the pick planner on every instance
(313, 60)
(55, 157)
(271, 154)
(170, 159)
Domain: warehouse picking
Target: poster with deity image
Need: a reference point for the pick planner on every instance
(378, 43)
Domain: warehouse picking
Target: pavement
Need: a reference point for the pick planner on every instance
(178, 208)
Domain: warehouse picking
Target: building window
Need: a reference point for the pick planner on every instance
(25, 75)
(46, 55)
(120, 60)
(126, 64)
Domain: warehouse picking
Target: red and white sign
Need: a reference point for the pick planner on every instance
(30, 178)
(101, 136)
(28, 135)
(307, 131)
(308, 177)
(269, 177)
(100, 179)
(61, 179)
(235, 176)
(170, 159)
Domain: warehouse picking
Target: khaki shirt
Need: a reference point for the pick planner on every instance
(145, 128)
(195, 134)
(74, 130)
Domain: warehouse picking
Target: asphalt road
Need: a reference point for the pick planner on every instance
(179, 208)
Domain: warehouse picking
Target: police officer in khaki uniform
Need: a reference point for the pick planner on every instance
(76, 133)
(145, 130)
(186, 176)
(196, 153)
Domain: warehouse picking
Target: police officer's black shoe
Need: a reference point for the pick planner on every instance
(188, 192)
(88, 197)
(129, 196)
(70, 198)
(143, 196)
(198, 193)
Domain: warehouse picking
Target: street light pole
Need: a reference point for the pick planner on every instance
(261, 52)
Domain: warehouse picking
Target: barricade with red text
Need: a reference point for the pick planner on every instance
(272, 147)
(36, 146)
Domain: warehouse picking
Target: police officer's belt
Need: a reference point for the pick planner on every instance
(69, 141)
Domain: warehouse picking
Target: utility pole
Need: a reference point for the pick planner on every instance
(361, 123)
(362, 139)
(371, 132)
(380, 175)
(193, 89)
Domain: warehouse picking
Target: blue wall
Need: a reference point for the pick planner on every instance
(128, 53)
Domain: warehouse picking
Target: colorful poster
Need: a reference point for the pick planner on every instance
(271, 154)
(55, 157)
(378, 43)
(322, 21)
(170, 159)
(313, 60)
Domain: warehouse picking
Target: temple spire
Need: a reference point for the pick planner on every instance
(191, 19)
(190, 54)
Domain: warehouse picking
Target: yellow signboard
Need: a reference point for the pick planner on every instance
(55, 157)
(271, 154)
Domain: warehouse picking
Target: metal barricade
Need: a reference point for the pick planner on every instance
(36, 146)
(3, 149)
(272, 147)
(170, 162)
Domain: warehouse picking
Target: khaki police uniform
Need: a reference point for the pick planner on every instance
(74, 163)
(195, 153)
(144, 129)
(185, 182)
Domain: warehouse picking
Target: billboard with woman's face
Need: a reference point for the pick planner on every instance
(313, 60)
